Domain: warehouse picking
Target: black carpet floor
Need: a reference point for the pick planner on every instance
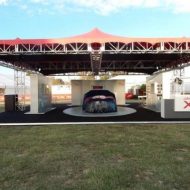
(57, 115)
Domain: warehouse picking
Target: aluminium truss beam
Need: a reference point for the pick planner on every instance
(110, 47)
(19, 84)
(96, 60)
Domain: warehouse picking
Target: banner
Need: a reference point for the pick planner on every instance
(182, 103)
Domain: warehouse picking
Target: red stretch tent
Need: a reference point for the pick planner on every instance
(95, 35)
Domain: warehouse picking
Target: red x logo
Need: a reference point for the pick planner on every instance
(187, 104)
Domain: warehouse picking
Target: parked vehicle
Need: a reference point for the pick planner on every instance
(129, 95)
(99, 101)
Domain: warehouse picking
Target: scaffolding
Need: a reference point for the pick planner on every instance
(96, 60)
(19, 85)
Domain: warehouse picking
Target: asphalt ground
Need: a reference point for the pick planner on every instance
(57, 115)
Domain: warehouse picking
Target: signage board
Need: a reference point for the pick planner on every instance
(182, 103)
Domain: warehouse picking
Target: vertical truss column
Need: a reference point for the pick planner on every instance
(96, 60)
(19, 84)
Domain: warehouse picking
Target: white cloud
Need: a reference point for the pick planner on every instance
(103, 7)
(3, 2)
(179, 6)
(43, 2)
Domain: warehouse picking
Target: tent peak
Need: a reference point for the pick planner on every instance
(96, 33)
(96, 30)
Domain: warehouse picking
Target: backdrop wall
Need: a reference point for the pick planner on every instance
(80, 87)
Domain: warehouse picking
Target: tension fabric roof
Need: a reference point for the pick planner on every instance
(95, 35)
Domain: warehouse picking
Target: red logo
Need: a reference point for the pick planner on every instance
(187, 104)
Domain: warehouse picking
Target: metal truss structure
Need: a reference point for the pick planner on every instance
(109, 47)
(19, 85)
(96, 59)
(95, 52)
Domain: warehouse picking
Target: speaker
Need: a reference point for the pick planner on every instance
(10, 102)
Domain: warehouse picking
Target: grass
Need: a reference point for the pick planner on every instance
(95, 157)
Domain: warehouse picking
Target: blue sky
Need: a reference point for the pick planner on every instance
(63, 18)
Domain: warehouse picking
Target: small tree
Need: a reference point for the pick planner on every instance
(2, 91)
(143, 89)
(58, 82)
(87, 77)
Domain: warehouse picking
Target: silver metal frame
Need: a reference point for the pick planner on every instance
(109, 47)
(96, 58)
(19, 85)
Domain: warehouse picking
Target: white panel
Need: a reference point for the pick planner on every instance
(44, 93)
(76, 91)
(162, 108)
(182, 103)
(167, 76)
(34, 93)
(40, 93)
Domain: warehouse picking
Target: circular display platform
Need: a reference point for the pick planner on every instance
(77, 111)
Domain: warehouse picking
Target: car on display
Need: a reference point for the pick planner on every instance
(99, 101)
(129, 95)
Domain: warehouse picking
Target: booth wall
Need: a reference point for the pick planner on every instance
(40, 93)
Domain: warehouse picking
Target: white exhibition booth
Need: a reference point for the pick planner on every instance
(80, 87)
(169, 93)
(41, 91)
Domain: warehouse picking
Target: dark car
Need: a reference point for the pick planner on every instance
(99, 101)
